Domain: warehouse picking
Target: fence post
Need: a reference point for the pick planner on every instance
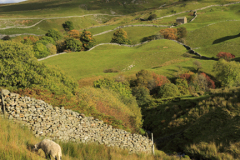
(3, 107)
(152, 144)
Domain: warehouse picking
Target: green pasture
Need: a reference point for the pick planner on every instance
(93, 63)
(222, 36)
(232, 46)
(135, 34)
(100, 29)
(79, 23)
(33, 8)
(173, 69)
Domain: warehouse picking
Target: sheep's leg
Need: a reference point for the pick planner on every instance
(48, 156)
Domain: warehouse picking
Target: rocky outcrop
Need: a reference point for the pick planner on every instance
(66, 125)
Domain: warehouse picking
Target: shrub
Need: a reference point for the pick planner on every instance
(152, 16)
(40, 50)
(17, 39)
(61, 45)
(160, 79)
(55, 34)
(186, 76)
(73, 44)
(211, 83)
(198, 65)
(74, 34)
(168, 90)
(6, 38)
(142, 95)
(143, 79)
(198, 82)
(181, 32)
(149, 80)
(225, 55)
(182, 86)
(30, 40)
(120, 36)
(68, 25)
(228, 73)
(46, 40)
(169, 33)
(52, 49)
(119, 87)
(87, 40)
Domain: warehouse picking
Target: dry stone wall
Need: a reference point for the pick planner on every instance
(66, 125)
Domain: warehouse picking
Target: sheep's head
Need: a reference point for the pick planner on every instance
(35, 148)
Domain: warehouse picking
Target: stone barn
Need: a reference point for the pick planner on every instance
(181, 20)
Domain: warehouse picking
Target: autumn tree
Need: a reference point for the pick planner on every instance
(74, 34)
(120, 36)
(225, 55)
(169, 33)
(30, 40)
(87, 40)
(149, 80)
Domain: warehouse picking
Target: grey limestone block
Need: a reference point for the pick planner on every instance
(5, 92)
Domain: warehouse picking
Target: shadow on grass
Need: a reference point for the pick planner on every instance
(225, 38)
(237, 59)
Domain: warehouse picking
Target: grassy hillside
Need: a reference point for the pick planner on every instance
(203, 127)
(76, 7)
(93, 63)
(222, 24)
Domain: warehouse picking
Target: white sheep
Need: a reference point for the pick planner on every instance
(50, 148)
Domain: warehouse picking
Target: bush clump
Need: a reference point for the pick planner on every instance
(68, 25)
(20, 69)
(87, 40)
(169, 90)
(182, 86)
(120, 36)
(228, 73)
(55, 34)
(40, 50)
(152, 16)
(73, 44)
